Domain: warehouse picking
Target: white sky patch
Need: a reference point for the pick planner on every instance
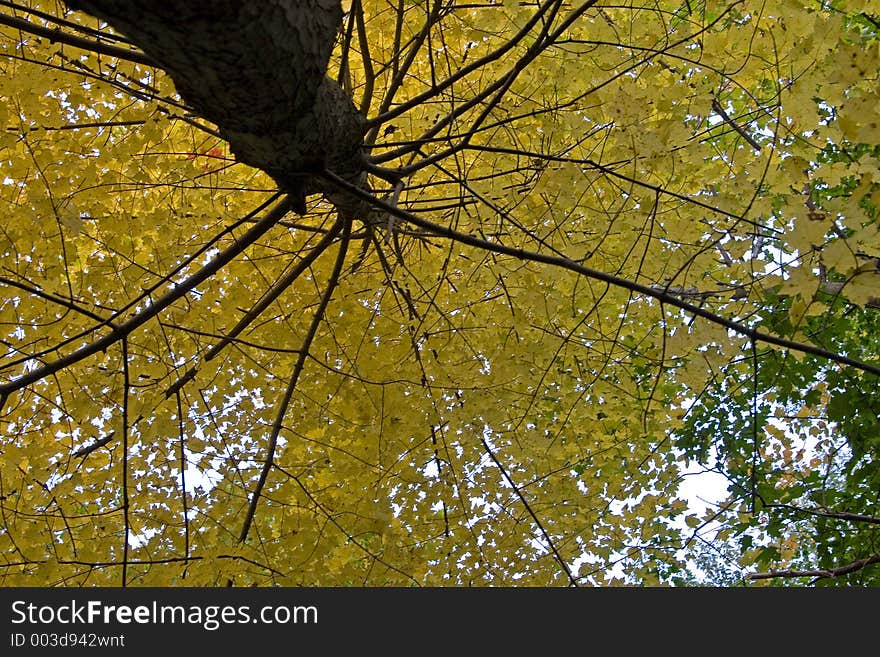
(702, 488)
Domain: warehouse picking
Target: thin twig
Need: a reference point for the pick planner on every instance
(733, 124)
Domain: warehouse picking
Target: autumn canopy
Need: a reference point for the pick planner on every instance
(434, 292)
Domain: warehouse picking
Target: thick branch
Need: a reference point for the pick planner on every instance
(257, 71)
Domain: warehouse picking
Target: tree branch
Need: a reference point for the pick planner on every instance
(123, 329)
(265, 90)
(271, 294)
(570, 265)
(859, 564)
(294, 379)
(55, 34)
(550, 543)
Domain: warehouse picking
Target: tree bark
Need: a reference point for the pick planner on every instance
(257, 71)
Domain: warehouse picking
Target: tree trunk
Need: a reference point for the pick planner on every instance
(257, 71)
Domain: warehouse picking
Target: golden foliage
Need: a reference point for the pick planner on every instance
(441, 412)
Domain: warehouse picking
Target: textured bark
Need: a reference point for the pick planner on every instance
(257, 71)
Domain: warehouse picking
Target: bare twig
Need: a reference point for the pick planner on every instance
(733, 124)
(859, 564)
